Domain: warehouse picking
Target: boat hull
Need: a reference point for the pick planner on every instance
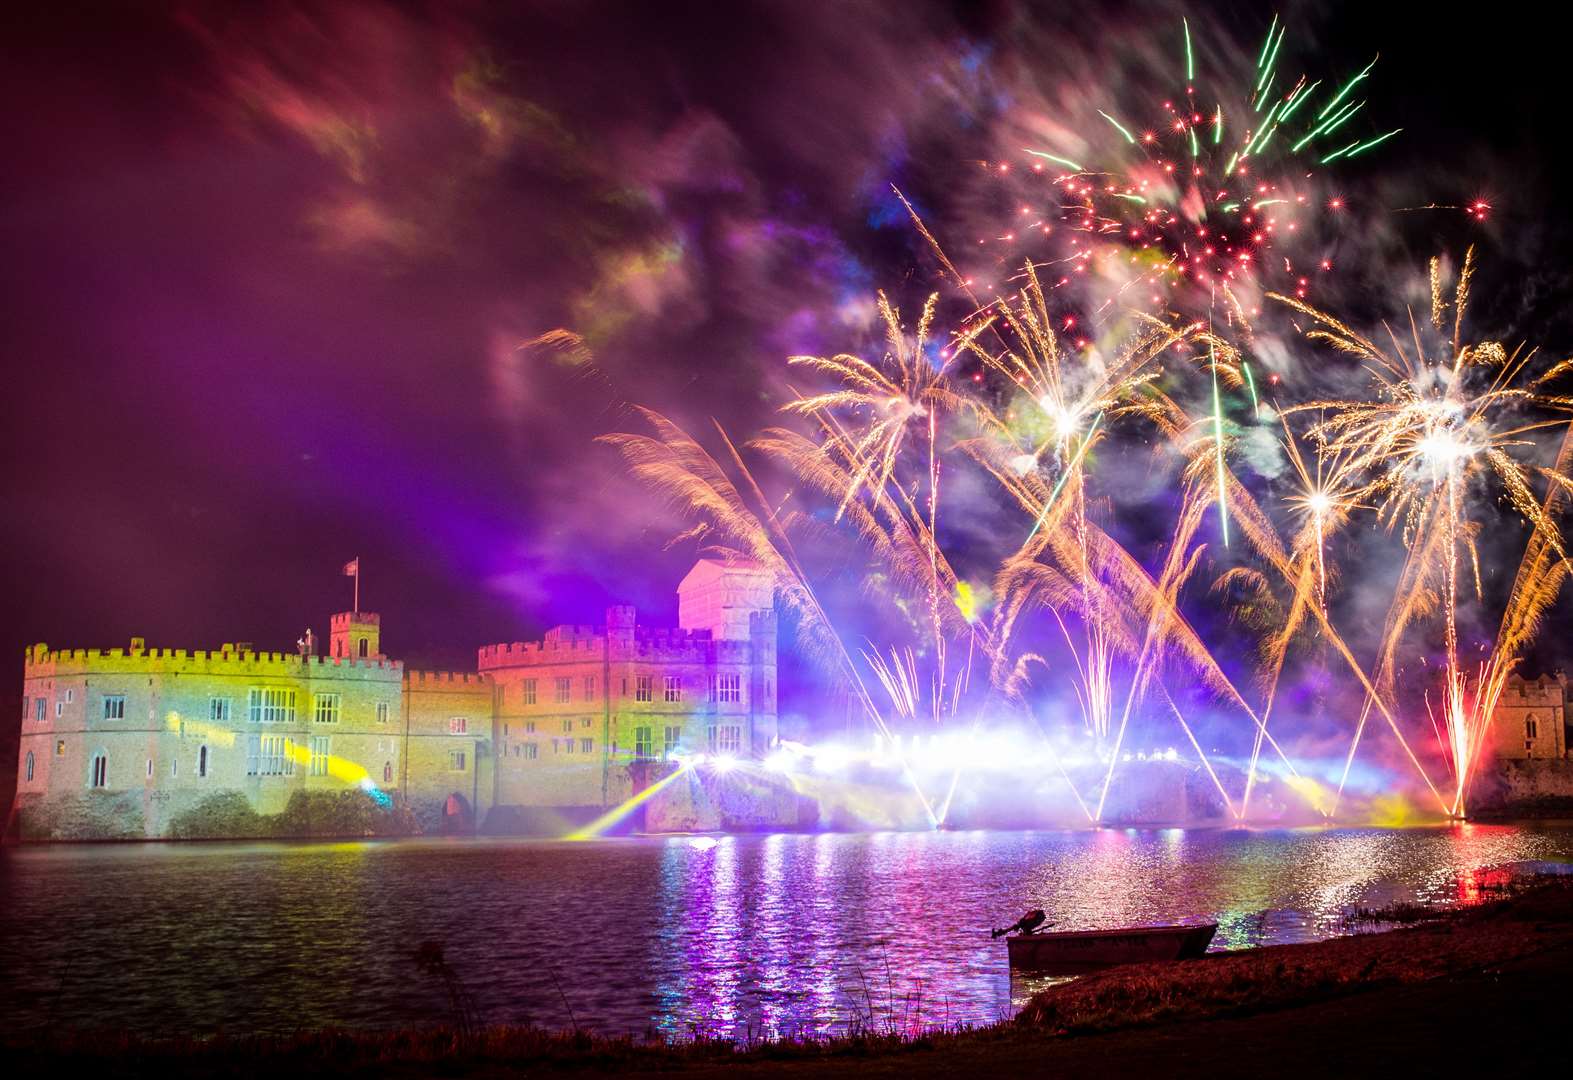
(1088, 950)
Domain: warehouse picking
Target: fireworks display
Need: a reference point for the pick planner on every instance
(1115, 330)
(1218, 185)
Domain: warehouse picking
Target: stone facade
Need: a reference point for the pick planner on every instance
(578, 710)
(149, 743)
(1530, 720)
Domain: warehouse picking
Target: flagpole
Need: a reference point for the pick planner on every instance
(357, 584)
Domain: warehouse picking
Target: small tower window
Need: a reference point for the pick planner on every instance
(100, 774)
(202, 761)
(29, 766)
(387, 772)
(363, 646)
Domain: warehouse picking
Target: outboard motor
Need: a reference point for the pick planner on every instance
(1025, 925)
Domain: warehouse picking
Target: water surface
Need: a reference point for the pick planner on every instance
(778, 934)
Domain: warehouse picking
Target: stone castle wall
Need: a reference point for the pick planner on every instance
(1529, 722)
(449, 719)
(172, 729)
(146, 743)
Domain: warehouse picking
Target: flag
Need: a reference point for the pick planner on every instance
(352, 568)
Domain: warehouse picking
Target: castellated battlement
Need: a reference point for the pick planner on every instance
(40, 661)
(567, 644)
(1545, 688)
(422, 679)
(354, 618)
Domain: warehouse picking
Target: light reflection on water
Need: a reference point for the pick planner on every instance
(762, 935)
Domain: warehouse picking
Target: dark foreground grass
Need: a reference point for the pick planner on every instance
(1281, 976)
(1115, 1021)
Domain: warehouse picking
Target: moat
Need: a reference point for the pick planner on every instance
(776, 934)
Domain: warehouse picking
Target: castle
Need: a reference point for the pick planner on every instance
(143, 743)
(1530, 719)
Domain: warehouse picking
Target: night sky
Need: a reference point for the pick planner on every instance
(267, 271)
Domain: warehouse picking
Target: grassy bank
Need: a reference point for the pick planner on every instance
(1350, 995)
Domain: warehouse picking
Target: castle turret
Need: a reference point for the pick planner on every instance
(356, 634)
(620, 624)
(722, 596)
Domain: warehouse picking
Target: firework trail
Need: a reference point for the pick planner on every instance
(747, 528)
(1215, 186)
(1443, 416)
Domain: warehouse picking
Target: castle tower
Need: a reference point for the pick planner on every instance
(620, 624)
(356, 634)
(721, 596)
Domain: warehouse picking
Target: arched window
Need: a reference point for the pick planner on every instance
(387, 769)
(29, 766)
(100, 773)
(363, 646)
(202, 761)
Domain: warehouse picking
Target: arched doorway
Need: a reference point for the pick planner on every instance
(457, 816)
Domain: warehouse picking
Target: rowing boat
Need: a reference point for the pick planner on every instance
(1083, 950)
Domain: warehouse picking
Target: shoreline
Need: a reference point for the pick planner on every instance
(1208, 825)
(1358, 991)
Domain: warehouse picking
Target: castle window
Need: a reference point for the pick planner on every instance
(174, 767)
(728, 688)
(530, 751)
(589, 687)
(29, 766)
(271, 705)
(60, 748)
(458, 725)
(114, 709)
(150, 768)
(567, 746)
(202, 761)
(218, 710)
(387, 772)
(674, 736)
(1531, 729)
(60, 708)
(362, 647)
(586, 746)
(382, 712)
(672, 688)
(270, 755)
(327, 708)
(726, 739)
(529, 691)
(643, 685)
(564, 690)
(568, 726)
(529, 727)
(584, 721)
(69, 693)
(456, 760)
(319, 755)
(100, 772)
(643, 744)
(38, 709)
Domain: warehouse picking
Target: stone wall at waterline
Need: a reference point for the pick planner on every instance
(1523, 789)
